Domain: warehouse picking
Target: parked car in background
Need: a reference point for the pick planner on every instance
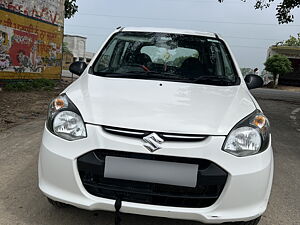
(161, 123)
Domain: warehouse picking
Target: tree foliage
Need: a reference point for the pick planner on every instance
(292, 41)
(70, 8)
(278, 64)
(284, 8)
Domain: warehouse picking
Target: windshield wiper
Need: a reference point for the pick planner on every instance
(102, 73)
(139, 75)
(151, 75)
(161, 74)
(214, 80)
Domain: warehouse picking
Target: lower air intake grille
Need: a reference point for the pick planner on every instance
(210, 182)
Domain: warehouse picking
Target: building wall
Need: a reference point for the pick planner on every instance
(77, 46)
(89, 56)
(31, 34)
(289, 51)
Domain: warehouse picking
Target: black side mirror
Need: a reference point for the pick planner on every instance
(77, 67)
(253, 81)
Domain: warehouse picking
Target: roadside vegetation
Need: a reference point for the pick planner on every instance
(292, 41)
(24, 101)
(31, 85)
(278, 65)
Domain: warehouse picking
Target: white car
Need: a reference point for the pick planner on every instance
(161, 123)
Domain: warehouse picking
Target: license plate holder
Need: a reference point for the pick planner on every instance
(153, 171)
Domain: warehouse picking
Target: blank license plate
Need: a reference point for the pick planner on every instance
(180, 174)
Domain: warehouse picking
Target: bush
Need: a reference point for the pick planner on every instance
(278, 65)
(29, 85)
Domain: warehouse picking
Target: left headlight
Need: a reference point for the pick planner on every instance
(64, 119)
(250, 136)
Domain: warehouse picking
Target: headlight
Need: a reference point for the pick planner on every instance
(250, 136)
(64, 119)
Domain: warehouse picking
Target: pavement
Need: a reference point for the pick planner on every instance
(21, 202)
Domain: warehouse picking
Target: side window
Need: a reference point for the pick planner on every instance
(125, 52)
(216, 60)
(104, 60)
(229, 72)
(116, 55)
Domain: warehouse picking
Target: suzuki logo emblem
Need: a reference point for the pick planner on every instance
(152, 142)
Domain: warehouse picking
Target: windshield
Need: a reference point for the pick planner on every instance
(171, 57)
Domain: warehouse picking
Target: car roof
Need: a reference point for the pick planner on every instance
(169, 30)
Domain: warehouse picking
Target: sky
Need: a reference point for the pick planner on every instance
(248, 32)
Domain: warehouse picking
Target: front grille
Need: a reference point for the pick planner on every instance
(210, 182)
(166, 136)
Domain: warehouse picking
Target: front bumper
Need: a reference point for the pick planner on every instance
(244, 197)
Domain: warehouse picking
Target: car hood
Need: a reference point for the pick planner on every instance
(161, 106)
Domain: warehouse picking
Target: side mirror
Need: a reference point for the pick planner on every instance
(77, 67)
(253, 81)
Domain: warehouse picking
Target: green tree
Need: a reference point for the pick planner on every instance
(278, 65)
(70, 8)
(292, 41)
(284, 8)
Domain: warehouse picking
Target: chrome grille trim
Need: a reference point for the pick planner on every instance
(184, 136)
(165, 136)
(123, 131)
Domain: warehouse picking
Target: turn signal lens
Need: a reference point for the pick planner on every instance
(59, 103)
(259, 121)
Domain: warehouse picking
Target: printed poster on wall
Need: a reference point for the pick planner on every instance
(31, 39)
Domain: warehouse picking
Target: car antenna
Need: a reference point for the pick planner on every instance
(120, 28)
(118, 205)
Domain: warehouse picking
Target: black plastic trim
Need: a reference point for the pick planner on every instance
(211, 180)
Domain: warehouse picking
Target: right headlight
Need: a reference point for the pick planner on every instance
(250, 136)
(64, 119)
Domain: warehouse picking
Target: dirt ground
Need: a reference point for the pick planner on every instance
(19, 107)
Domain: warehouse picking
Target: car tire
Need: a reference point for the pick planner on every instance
(252, 222)
(57, 204)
